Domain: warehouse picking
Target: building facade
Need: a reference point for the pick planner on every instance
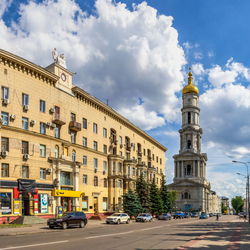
(193, 190)
(63, 149)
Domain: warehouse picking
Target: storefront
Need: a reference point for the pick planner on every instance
(67, 200)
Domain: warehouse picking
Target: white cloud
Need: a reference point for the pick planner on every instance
(198, 55)
(198, 69)
(118, 54)
(4, 5)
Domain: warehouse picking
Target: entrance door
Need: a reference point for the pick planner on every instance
(66, 204)
(96, 205)
(25, 204)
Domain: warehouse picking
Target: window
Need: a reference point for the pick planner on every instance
(42, 150)
(85, 203)
(119, 183)
(105, 149)
(84, 123)
(188, 170)
(5, 118)
(56, 151)
(5, 203)
(105, 166)
(5, 170)
(43, 173)
(105, 182)
(85, 179)
(95, 163)
(156, 158)
(120, 167)
(105, 132)
(144, 151)
(42, 128)
(65, 178)
(128, 170)
(95, 181)
(189, 144)
(114, 167)
(95, 145)
(42, 106)
(4, 144)
(25, 123)
(73, 117)
(5, 93)
(73, 137)
(84, 160)
(25, 147)
(189, 117)
(57, 132)
(120, 140)
(133, 172)
(84, 141)
(73, 155)
(186, 196)
(153, 157)
(95, 130)
(160, 161)
(25, 172)
(105, 204)
(25, 99)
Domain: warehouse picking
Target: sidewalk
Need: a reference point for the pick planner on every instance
(40, 228)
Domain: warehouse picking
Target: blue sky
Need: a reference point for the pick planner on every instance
(148, 47)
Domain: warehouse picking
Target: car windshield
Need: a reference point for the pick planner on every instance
(115, 214)
(165, 214)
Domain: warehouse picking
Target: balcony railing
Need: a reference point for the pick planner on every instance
(75, 126)
(57, 119)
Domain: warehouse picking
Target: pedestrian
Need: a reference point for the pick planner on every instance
(217, 217)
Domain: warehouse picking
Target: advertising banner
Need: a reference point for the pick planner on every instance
(43, 203)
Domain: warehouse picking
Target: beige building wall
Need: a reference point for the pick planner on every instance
(127, 150)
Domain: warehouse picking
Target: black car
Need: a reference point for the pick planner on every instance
(68, 220)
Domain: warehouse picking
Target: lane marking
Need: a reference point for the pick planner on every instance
(128, 232)
(35, 245)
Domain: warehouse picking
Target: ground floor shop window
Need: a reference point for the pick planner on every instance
(85, 203)
(105, 204)
(5, 203)
(43, 203)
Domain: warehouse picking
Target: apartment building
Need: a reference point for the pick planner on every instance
(63, 149)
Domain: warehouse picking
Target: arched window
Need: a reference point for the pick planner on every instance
(189, 170)
(189, 144)
(74, 155)
(56, 152)
(186, 196)
(189, 117)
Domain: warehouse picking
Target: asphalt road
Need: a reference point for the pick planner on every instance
(135, 236)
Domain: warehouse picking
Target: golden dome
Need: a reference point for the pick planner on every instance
(190, 88)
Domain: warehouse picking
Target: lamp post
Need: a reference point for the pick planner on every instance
(247, 202)
(247, 187)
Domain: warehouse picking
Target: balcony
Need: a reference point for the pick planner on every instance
(57, 119)
(75, 126)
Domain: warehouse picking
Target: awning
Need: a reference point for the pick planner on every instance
(67, 193)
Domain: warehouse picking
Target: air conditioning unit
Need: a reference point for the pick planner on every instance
(12, 117)
(53, 125)
(48, 170)
(5, 101)
(32, 122)
(52, 110)
(26, 156)
(25, 107)
(48, 124)
(4, 153)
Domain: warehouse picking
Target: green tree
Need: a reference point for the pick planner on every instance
(142, 191)
(237, 203)
(165, 196)
(131, 203)
(156, 205)
(172, 199)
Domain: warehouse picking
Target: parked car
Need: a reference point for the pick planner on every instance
(194, 214)
(165, 216)
(68, 220)
(118, 218)
(144, 217)
(204, 216)
(186, 215)
(178, 215)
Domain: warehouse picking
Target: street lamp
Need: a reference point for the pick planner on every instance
(247, 186)
(247, 205)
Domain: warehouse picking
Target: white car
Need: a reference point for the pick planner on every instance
(144, 218)
(118, 218)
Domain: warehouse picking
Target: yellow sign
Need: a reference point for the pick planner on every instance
(66, 193)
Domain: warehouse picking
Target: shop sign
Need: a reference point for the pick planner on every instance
(17, 206)
(26, 185)
(44, 203)
(66, 193)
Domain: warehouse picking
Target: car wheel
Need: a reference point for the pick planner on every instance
(127, 222)
(107, 222)
(118, 222)
(64, 225)
(51, 227)
(82, 224)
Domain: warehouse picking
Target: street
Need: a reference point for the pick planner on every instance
(228, 233)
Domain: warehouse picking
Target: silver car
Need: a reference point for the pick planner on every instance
(144, 217)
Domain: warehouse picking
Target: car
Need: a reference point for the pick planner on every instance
(144, 217)
(118, 218)
(165, 216)
(68, 220)
(178, 215)
(204, 216)
(187, 215)
(194, 214)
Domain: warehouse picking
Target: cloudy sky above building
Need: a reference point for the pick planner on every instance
(136, 55)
